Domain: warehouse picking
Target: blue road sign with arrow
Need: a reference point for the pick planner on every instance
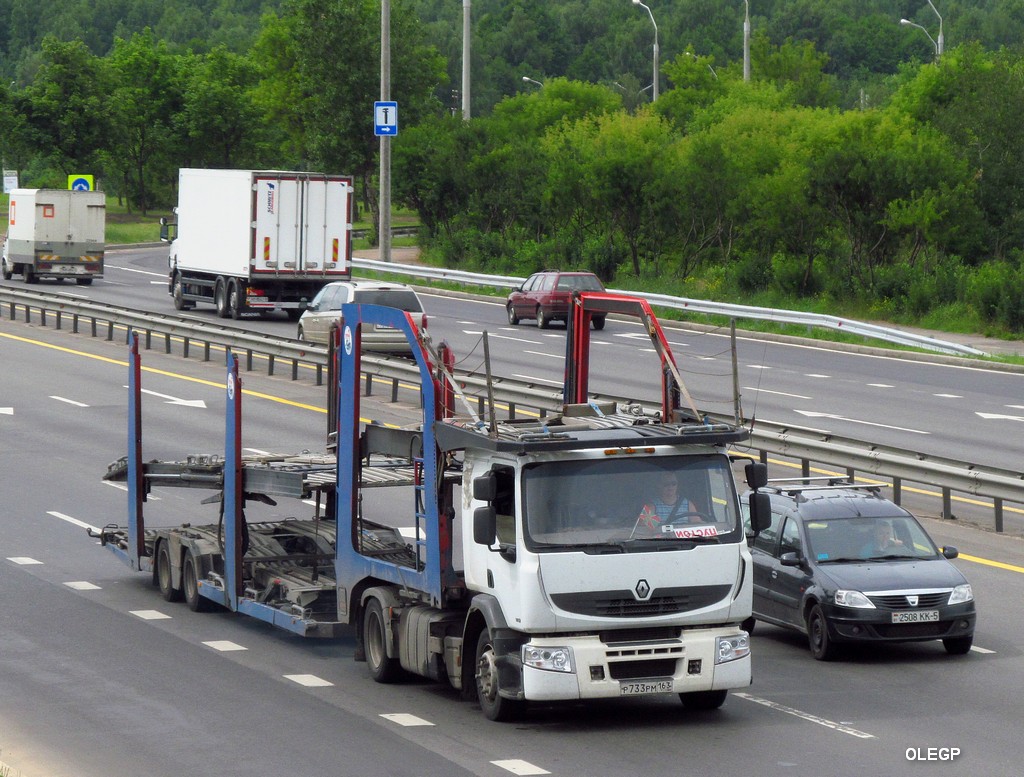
(385, 118)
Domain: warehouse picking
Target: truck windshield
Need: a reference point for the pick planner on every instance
(612, 502)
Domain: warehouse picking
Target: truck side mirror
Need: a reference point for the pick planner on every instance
(760, 512)
(485, 525)
(757, 474)
(164, 230)
(485, 487)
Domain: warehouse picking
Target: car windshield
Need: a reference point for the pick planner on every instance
(623, 504)
(403, 299)
(868, 539)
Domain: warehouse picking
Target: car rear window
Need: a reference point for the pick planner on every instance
(581, 282)
(403, 299)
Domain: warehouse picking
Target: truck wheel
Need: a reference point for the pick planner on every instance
(83, 281)
(543, 322)
(28, 272)
(190, 584)
(178, 295)
(513, 317)
(494, 706)
(383, 668)
(220, 298)
(8, 271)
(164, 577)
(234, 300)
(703, 700)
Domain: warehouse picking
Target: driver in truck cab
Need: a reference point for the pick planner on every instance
(667, 505)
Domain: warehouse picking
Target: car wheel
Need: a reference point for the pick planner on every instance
(822, 648)
(598, 322)
(703, 700)
(543, 322)
(513, 317)
(383, 668)
(300, 335)
(958, 646)
(493, 704)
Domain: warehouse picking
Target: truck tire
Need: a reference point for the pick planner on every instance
(178, 295)
(83, 281)
(234, 300)
(190, 584)
(493, 704)
(8, 270)
(383, 668)
(28, 272)
(703, 700)
(164, 578)
(220, 298)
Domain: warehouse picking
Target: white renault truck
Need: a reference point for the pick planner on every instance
(507, 557)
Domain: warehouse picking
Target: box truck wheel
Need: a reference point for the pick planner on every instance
(164, 577)
(220, 298)
(8, 271)
(178, 295)
(383, 668)
(703, 700)
(494, 706)
(234, 300)
(28, 272)
(83, 281)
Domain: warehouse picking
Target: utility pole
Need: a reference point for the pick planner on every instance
(384, 233)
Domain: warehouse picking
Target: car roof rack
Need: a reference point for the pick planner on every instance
(799, 485)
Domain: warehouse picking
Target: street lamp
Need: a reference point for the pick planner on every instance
(746, 41)
(654, 93)
(939, 44)
(529, 80)
(691, 54)
(466, 18)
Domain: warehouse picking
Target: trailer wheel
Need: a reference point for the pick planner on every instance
(494, 706)
(220, 298)
(190, 584)
(164, 577)
(383, 668)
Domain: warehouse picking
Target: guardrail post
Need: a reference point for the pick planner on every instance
(149, 338)
(206, 350)
(110, 331)
(74, 323)
(319, 374)
(851, 475)
(997, 506)
(42, 316)
(947, 504)
(369, 385)
(248, 361)
(167, 342)
(270, 364)
(805, 468)
(897, 490)
(394, 390)
(58, 322)
(511, 411)
(295, 369)
(184, 346)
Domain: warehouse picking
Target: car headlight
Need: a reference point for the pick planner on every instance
(731, 648)
(962, 593)
(551, 659)
(853, 599)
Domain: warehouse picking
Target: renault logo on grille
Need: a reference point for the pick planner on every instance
(642, 590)
(912, 600)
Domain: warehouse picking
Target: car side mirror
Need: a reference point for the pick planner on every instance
(950, 552)
(791, 559)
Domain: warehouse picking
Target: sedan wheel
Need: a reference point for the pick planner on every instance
(513, 318)
(822, 648)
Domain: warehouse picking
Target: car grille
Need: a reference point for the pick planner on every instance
(899, 601)
(623, 604)
(912, 630)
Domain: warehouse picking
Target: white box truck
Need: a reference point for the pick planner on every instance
(250, 240)
(55, 233)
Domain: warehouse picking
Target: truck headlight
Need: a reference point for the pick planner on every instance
(853, 599)
(551, 659)
(962, 593)
(731, 648)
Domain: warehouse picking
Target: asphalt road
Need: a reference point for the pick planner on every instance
(100, 677)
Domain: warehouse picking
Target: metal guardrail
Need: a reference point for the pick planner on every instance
(515, 396)
(730, 310)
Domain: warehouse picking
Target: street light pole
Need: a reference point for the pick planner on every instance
(940, 43)
(529, 80)
(746, 41)
(654, 92)
(384, 234)
(909, 23)
(465, 58)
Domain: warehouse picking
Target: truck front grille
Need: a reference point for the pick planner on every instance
(624, 604)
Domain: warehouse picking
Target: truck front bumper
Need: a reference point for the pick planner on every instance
(607, 670)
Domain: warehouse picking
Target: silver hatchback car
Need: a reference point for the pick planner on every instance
(325, 309)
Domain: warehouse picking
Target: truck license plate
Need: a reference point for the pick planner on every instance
(916, 616)
(647, 686)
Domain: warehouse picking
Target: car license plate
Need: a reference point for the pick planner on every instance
(648, 686)
(915, 616)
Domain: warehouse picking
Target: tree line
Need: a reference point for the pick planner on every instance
(906, 195)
